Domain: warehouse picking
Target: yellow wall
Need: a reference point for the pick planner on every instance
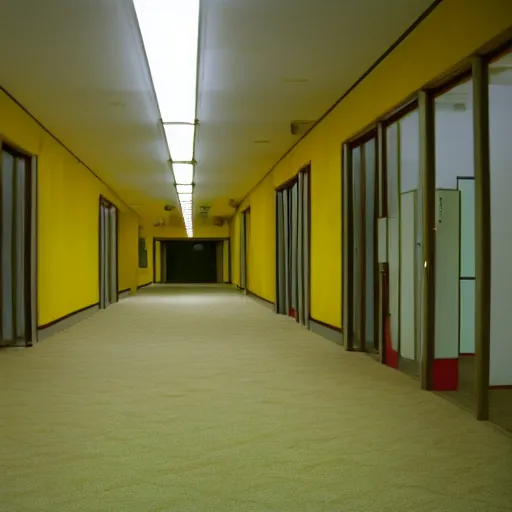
(234, 231)
(145, 275)
(225, 261)
(68, 209)
(434, 47)
(128, 251)
(158, 262)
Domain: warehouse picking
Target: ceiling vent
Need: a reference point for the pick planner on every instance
(159, 223)
(300, 127)
(204, 210)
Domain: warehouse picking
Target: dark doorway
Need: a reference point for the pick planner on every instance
(191, 262)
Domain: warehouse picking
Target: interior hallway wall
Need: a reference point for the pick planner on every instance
(68, 209)
(145, 274)
(158, 262)
(234, 235)
(428, 52)
(127, 249)
(262, 245)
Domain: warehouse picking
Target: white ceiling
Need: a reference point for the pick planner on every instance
(79, 67)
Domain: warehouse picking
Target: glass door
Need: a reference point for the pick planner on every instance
(364, 268)
(15, 249)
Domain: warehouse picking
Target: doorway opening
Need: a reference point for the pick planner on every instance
(293, 248)
(17, 243)
(191, 261)
(363, 189)
(245, 236)
(108, 219)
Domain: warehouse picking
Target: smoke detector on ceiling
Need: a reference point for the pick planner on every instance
(169, 207)
(158, 223)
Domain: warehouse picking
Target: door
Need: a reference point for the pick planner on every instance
(16, 249)
(191, 261)
(243, 251)
(362, 267)
(108, 253)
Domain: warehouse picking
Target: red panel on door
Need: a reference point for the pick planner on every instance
(391, 355)
(445, 374)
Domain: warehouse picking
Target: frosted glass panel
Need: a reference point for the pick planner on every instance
(7, 244)
(467, 317)
(294, 204)
(467, 227)
(369, 151)
(394, 280)
(357, 223)
(454, 136)
(409, 152)
(382, 238)
(447, 274)
(500, 117)
(20, 248)
(392, 169)
(407, 275)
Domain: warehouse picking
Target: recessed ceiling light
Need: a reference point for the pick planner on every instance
(261, 141)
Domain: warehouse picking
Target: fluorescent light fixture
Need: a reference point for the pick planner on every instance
(180, 140)
(183, 174)
(184, 189)
(170, 32)
(185, 198)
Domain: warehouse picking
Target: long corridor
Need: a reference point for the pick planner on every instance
(200, 399)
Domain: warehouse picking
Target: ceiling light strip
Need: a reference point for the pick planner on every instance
(170, 32)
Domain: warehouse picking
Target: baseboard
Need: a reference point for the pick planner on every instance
(260, 300)
(144, 285)
(329, 332)
(51, 328)
(124, 294)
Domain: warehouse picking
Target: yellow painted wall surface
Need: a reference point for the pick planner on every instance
(234, 228)
(261, 242)
(128, 251)
(145, 275)
(68, 209)
(248, 253)
(225, 261)
(158, 262)
(434, 47)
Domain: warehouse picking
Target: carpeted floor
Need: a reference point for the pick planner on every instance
(200, 399)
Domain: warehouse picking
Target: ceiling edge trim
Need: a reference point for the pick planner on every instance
(79, 160)
(411, 28)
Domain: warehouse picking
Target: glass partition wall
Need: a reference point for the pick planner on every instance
(363, 189)
(404, 241)
(426, 236)
(500, 174)
(293, 248)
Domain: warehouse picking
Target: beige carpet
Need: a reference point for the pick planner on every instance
(200, 399)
